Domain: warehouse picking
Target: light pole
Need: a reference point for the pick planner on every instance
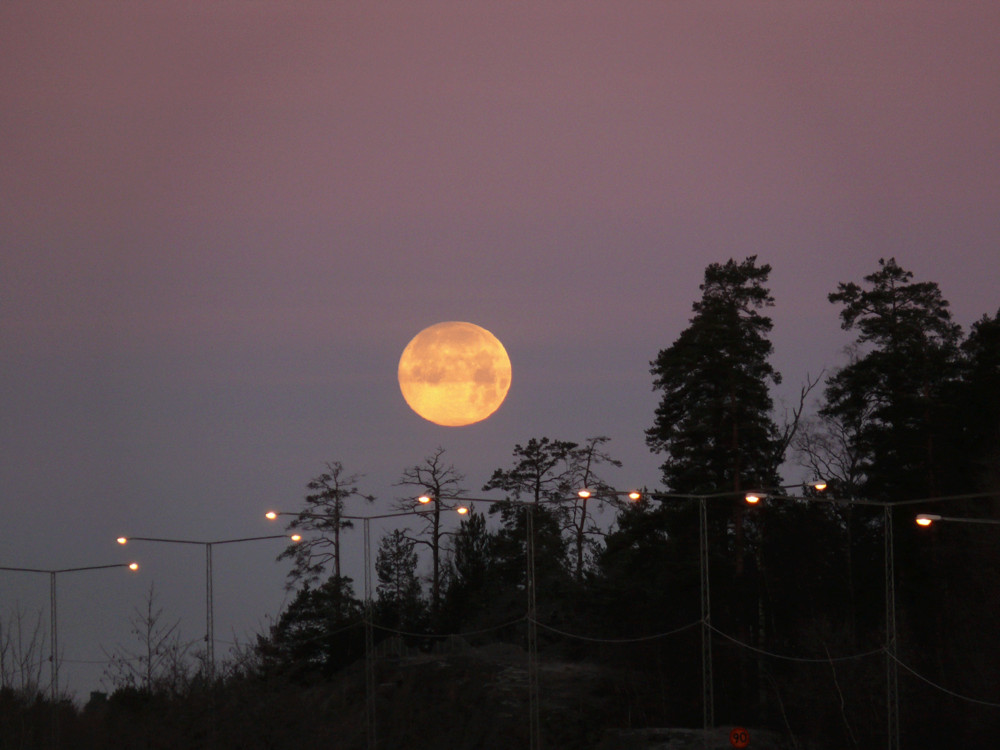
(923, 520)
(209, 596)
(272, 515)
(461, 509)
(54, 630)
(751, 498)
(54, 624)
(891, 668)
(704, 585)
(534, 713)
(889, 567)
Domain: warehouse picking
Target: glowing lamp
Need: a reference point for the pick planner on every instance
(461, 510)
(752, 498)
(424, 499)
(584, 493)
(122, 540)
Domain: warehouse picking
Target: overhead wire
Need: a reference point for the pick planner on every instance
(787, 657)
(942, 688)
(638, 639)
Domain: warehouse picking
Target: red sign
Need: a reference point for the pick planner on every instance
(739, 737)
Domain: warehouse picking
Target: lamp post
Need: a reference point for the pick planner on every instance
(370, 723)
(891, 669)
(272, 515)
(751, 498)
(923, 520)
(889, 567)
(704, 584)
(54, 630)
(54, 624)
(534, 714)
(461, 509)
(209, 596)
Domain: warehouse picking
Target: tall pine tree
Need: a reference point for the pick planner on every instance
(323, 515)
(895, 390)
(714, 419)
(977, 463)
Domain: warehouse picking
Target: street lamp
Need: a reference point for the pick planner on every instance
(54, 634)
(463, 509)
(752, 498)
(209, 596)
(926, 519)
(707, 678)
(534, 721)
(54, 620)
(272, 515)
(889, 567)
(755, 496)
(585, 493)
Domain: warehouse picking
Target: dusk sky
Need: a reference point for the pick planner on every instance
(221, 223)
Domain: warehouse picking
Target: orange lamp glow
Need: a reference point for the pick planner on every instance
(133, 566)
(461, 510)
(296, 537)
(424, 499)
(270, 515)
(634, 495)
(752, 498)
(122, 540)
(584, 493)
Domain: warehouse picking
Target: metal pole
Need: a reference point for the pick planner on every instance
(533, 709)
(891, 669)
(53, 639)
(209, 595)
(54, 631)
(209, 616)
(707, 687)
(54, 657)
(370, 725)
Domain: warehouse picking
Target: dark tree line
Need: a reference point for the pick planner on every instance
(798, 595)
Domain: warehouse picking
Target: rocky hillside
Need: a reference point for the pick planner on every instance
(478, 698)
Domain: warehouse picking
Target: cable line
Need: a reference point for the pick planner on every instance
(619, 640)
(803, 659)
(448, 635)
(942, 688)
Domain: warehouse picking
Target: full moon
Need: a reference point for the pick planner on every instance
(454, 374)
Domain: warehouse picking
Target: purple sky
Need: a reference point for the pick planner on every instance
(221, 223)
